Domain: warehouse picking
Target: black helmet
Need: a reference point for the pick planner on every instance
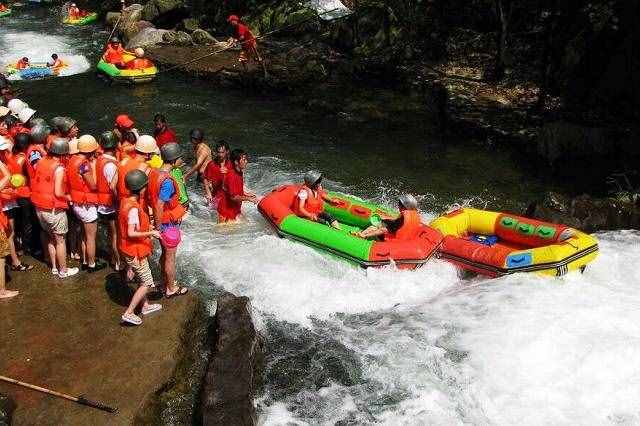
(108, 140)
(197, 134)
(66, 124)
(312, 177)
(59, 146)
(135, 180)
(408, 201)
(114, 39)
(170, 152)
(22, 140)
(39, 133)
(37, 120)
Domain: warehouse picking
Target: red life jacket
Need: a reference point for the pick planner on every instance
(22, 64)
(18, 128)
(78, 188)
(139, 247)
(30, 169)
(411, 226)
(313, 203)
(105, 194)
(139, 64)
(125, 166)
(173, 210)
(113, 55)
(43, 186)
(10, 193)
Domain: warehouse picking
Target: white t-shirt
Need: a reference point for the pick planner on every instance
(303, 194)
(133, 218)
(109, 172)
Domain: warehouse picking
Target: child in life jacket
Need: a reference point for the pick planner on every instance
(309, 202)
(404, 227)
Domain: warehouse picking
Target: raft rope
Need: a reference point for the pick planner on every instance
(260, 37)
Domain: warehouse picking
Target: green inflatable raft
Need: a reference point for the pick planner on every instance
(354, 215)
(133, 76)
(86, 20)
(5, 13)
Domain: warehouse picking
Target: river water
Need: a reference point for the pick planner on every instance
(383, 346)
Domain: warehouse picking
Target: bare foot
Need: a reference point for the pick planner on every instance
(7, 294)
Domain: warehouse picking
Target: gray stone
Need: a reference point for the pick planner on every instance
(177, 38)
(202, 37)
(155, 8)
(111, 18)
(189, 25)
(147, 37)
(130, 17)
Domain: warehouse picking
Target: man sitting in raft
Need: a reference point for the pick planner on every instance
(404, 227)
(114, 53)
(309, 201)
(23, 64)
(3, 8)
(55, 63)
(75, 13)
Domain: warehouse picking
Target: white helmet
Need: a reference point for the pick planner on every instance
(146, 144)
(5, 143)
(73, 146)
(16, 105)
(25, 114)
(4, 111)
(139, 51)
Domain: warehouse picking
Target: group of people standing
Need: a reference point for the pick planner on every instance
(128, 181)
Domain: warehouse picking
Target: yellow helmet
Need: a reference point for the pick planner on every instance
(18, 180)
(146, 144)
(87, 144)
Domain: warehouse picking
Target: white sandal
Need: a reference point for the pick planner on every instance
(131, 319)
(151, 308)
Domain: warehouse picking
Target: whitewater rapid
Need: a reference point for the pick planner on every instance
(424, 346)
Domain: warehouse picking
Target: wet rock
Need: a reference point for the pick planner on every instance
(189, 25)
(147, 37)
(130, 17)
(111, 18)
(235, 367)
(143, 25)
(7, 406)
(164, 11)
(201, 37)
(177, 38)
(587, 213)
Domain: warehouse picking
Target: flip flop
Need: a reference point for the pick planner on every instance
(22, 267)
(9, 294)
(179, 292)
(153, 307)
(131, 319)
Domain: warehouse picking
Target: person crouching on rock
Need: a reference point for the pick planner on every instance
(247, 41)
(309, 202)
(134, 243)
(114, 53)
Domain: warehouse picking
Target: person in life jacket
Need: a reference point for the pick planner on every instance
(3, 8)
(51, 201)
(14, 126)
(5, 177)
(114, 54)
(83, 191)
(127, 145)
(168, 212)
(74, 12)
(215, 173)
(134, 242)
(309, 202)
(145, 148)
(22, 64)
(140, 62)
(123, 124)
(10, 195)
(162, 132)
(56, 63)
(107, 184)
(25, 116)
(36, 150)
(247, 41)
(230, 206)
(404, 227)
(68, 128)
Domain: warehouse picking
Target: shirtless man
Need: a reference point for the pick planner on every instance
(203, 157)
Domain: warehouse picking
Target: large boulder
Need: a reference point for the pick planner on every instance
(202, 37)
(7, 406)
(235, 366)
(189, 25)
(147, 37)
(164, 11)
(177, 38)
(111, 18)
(131, 15)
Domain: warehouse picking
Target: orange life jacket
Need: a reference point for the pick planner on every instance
(22, 64)
(30, 149)
(125, 166)
(57, 63)
(105, 194)
(78, 188)
(113, 55)
(139, 64)
(43, 186)
(411, 225)
(173, 210)
(9, 193)
(139, 247)
(313, 203)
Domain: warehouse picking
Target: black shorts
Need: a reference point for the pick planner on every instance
(107, 217)
(12, 213)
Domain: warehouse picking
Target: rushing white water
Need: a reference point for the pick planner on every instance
(38, 48)
(434, 349)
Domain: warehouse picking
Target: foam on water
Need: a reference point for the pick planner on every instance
(432, 348)
(38, 47)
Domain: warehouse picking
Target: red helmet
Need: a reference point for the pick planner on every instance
(233, 18)
(124, 121)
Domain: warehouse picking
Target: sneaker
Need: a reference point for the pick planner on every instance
(54, 271)
(98, 266)
(69, 273)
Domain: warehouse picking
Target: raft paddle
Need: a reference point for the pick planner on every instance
(78, 399)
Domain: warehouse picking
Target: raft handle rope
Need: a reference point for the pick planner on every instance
(261, 36)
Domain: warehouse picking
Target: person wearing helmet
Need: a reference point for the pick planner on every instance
(5, 177)
(68, 128)
(203, 157)
(309, 202)
(168, 212)
(6, 95)
(162, 132)
(75, 13)
(114, 53)
(134, 242)
(406, 226)
(139, 62)
(215, 173)
(144, 149)
(83, 191)
(230, 205)
(26, 115)
(22, 64)
(36, 150)
(247, 41)
(15, 126)
(124, 124)
(13, 157)
(107, 183)
(50, 198)
(15, 105)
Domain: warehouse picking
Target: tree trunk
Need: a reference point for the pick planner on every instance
(550, 22)
(503, 13)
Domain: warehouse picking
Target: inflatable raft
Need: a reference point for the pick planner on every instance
(85, 20)
(496, 244)
(35, 70)
(5, 13)
(353, 215)
(135, 76)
